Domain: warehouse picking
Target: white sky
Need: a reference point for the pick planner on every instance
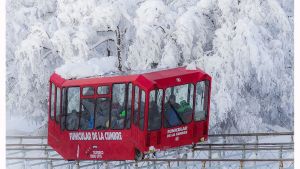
(3, 67)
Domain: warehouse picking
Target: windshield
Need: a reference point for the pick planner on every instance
(178, 106)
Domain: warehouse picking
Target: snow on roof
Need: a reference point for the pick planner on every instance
(92, 67)
(104, 66)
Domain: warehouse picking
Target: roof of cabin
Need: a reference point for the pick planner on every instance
(118, 77)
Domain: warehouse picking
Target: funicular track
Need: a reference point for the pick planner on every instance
(260, 150)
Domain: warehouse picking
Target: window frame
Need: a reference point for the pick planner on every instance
(161, 109)
(136, 96)
(58, 119)
(129, 107)
(66, 107)
(193, 107)
(103, 85)
(125, 107)
(145, 100)
(96, 105)
(206, 100)
(63, 109)
(52, 101)
(80, 111)
(87, 96)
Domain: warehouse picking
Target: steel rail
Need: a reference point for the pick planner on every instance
(26, 137)
(34, 158)
(243, 144)
(29, 145)
(238, 159)
(246, 149)
(167, 159)
(252, 134)
(29, 149)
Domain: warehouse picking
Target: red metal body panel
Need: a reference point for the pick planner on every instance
(114, 144)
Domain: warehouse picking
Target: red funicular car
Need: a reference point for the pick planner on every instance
(123, 117)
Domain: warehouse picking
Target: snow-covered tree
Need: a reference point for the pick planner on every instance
(246, 46)
(153, 22)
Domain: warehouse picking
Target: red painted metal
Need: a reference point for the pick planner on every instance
(112, 144)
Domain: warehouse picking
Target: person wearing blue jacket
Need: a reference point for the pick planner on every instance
(172, 118)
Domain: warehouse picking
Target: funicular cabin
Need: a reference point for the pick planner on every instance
(124, 117)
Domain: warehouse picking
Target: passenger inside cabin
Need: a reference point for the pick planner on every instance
(87, 114)
(117, 116)
(154, 116)
(172, 118)
(102, 113)
(72, 120)
(185, 111)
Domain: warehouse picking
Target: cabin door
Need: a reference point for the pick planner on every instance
(138, 117)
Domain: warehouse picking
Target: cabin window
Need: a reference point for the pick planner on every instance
(202, 89)
(118, 108)
(73, 101)
(88, 91)
(178, 107)
(142, 110)
(52, 101)
(87, 114)
(64, 109)
(129, 100)
(58, 101)
(103, 90)
(102, 113)
(136, 104)
(155, 103)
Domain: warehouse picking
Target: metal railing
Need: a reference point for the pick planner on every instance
(203, 155)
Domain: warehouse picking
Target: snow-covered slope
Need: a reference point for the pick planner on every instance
(246, 46)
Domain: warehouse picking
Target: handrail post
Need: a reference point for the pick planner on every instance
(50, 165)
(209, 155)
(219, 156)
(154, 164)
(106, 165)
(256, 147)
(203, 164)
(77, 165)
(224, 142)
(241, 164)
(97, 165)
(178, 156)
(23, 152)
(244, 152)
(280, 164)
(169, 165)
(280, 152)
